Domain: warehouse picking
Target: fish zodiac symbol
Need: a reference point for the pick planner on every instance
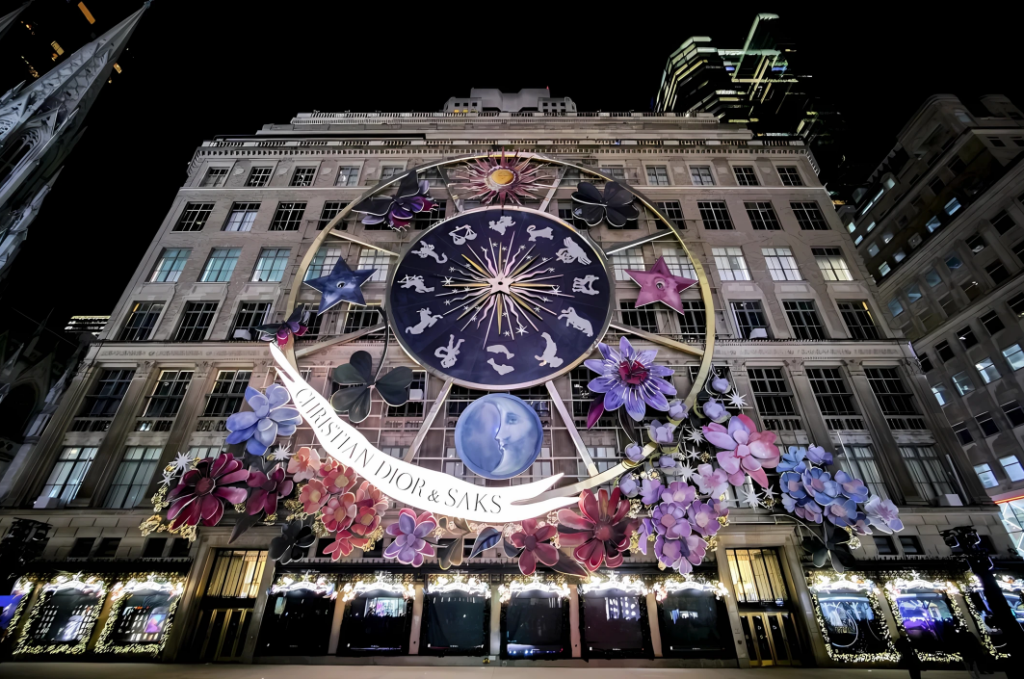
(572, 252)
(427, 250)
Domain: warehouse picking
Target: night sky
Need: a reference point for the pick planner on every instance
(200, 68)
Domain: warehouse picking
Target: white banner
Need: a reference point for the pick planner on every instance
(407, 483)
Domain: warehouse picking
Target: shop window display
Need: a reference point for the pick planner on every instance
(377, 618)
(535, 620)
(141, 614)
(456, 617)
(613, 619)
(693, 619)
(298, 617)
(64, 617)
(930, 618)
(850, 618)
(992, 635)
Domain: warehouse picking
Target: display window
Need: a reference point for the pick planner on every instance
(981, 611)
(456, 616)
(141, 614)
(298, 617)
(613, 618)
(378, 617)
(63, 618)
(850, 617)
(929, 615)
(692, 619)
(535, 619)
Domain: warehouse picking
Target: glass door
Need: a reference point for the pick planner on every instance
(771, 638)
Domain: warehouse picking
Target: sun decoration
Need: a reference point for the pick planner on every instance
(508, 178)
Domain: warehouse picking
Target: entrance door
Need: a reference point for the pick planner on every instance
(222, 634)
(771, 638)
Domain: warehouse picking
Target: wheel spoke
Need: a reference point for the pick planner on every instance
(574, 434)
(366, 244)
(443, 171)
(334, 341)
(429, 420)
(649, 238)
(554, 187)
(659, 339)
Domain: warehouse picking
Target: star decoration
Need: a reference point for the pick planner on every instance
(686, 471)
(694, 435)
(447, 280)
(341, 285)
(168, 478)
(282, 453)
(768, 493)
(182, 462)
(736, 400)
(750, 498)
(660, 285)
(692, 455)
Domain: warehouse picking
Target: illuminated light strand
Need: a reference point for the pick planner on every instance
(323, 585)
(441, 584)
(627, 583)
(383, 581)
(822, 582)
(522, 584)
(93, 585)
(672, 585)
(174, 585)
(971, 584)
(897, 586)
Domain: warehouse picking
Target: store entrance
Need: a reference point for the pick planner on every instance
(221, 634)
(771, 638)
(765, 608)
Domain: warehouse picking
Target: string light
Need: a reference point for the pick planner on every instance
(626, 583)
(91, 586)
(121, 594)
(382, 581)
(323, 585)
(440, 584)
(669, 586)
(554, 586)
(827, 583)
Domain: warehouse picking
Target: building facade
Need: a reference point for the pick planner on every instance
(939, 227)
(798, 330)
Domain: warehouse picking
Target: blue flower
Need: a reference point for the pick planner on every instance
(715, 411)
(793, 461)
(852, 488)
(842, 512)
(629, 486)
(267, 420)
(817, 455)
(819, 485)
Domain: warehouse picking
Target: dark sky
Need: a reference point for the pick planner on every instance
(199, 68)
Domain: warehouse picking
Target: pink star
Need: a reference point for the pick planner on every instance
(659, 285)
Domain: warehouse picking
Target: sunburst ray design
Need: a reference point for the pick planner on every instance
(507, 179)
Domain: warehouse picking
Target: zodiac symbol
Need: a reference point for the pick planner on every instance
(415, 282)
(574, 320)
(501, 369)
(572, 252)
(536, 233)
(427, 319)
(460, 238)
(500, 349)
(549, 358)
(585, 285)
(450, 353)
(502, 224)
(427, 250)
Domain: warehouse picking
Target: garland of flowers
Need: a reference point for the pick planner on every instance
(968, 584)
(120, 595)
(24, 644)
(860, 584)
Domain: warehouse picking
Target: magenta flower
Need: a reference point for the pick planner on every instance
(680, 492)
(533, 540)
(411, 198)
(682, 554)
(745, 450)
(269, 489)
(710, 480)
(204, 490)
(703, 516)
(669, 519)
(409, 545)
(602, 533)
(630, 378)
(295, 325)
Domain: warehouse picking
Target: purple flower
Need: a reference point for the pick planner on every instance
(662, 434)
(644, 532)
(650, 491)
(715, 411)
(669, 519)
(412, 197)
(679, 492)
(409, 546)
(710, 480)
(666, 462)
(704, 516)
(841, 512)
(629, 486)
(817, 455)
(678, 410)
(883, 515)
(805, 508)
(851, 487)
(681, 555)
(860, 524)
(269, 488)
(630, 378)
(267, 420)
(634, 452)
(819, 485)
(720, 384)
(793, 461)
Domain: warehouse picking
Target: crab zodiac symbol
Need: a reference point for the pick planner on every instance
(572, 252)
(574, 320)
(415, 282)
(585, 285)
(467, 233)
(450, 353)
(502, 224)
(427, 319)
(427, 250)
(536, 233)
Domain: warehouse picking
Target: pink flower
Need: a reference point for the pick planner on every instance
(370, 507)
(339, 512)
(410, 531)
(203, 491)
(744, 449)
(313, 495)
(343, 545)
(680, 492)
(533, 541)
(304, 464)
(602, 533)
(711, 481)
(269, 489)
(340, 479)
(704, 516)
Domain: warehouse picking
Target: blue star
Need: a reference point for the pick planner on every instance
(341, 285)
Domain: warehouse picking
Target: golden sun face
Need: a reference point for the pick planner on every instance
(505, 179)
(502, 177)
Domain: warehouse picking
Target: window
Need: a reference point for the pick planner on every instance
(953, 262)
(913, 293)
(81, 548)
(966, 337)
(757, 576)
(1012, 467)
(204, 452)
(932, 278)
(132, 478)
(107, 394)
(348, 175)
(154, 548)
(927, 472)
(168, 267)
(361, 317)
(672, 212)
(657, 175)
(933, 224)
(936, 185)
(987, 369)
(194, 217)
(987, 425)
(992, 322)
(1016, 304)
(832, 264)
(857, 318)
(873, 250)
(859, 240)
(884, 545)
(141, 321)
(236, 574)
(1002, 222)
(422, 221)
(644, 318)
(249, 316)
(1014, 355)
(374, 259)
(971, 288)
(745, 176)
(830, 390)
(169, 393)
(241, 217)
(762, 216)
(865, 467)
(956, 166)
(952, 206)
(976, 243)
(781, 264)
(895, 308)
(963, 384)
(678, 263)
(809, 216)
(180, 548)
(731, 264)
(910, 544)
(940, 393)
(228, 392)
(68, 473)
(771, 393)
(790, 176)
(220, 265)
(803, 318)
(258, 176)
(924, 361)
(195, 321)
(330, 211)
(288, 217)
(303, 176)
(692, 321)
(389, 172)
(414, 406)
(271, 265)
(963, 434)
(899, 256)
(631, 259)
(997, 272)
(323, 261)
(945, 351)
(701, 176)
(893, 397)
(750, 317)
(215, 177)
(1018, 249)
(1014, 413)
(715, 215)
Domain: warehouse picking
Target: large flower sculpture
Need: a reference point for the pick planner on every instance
(505, 179)
(268, 489)
(630, 378)
(296, 325)
(410, 531)
(204, 490)
(370, 507)
(533, 540)
(411, 198)
(745, 450)
(267, 420)
(602, 533)
(616, 205)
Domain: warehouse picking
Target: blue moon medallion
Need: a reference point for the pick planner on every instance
(498, 436)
